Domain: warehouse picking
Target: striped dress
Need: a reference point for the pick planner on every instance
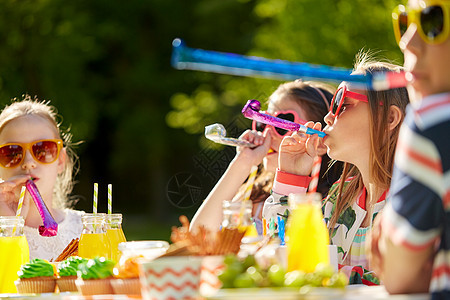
(418, 214)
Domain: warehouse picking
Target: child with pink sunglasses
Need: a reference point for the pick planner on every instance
(411, 239)
(294, 101)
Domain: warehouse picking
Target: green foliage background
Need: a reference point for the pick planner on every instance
(106, 66)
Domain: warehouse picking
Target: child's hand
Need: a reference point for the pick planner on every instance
(254, 156)
(297, 152)
(9, 196)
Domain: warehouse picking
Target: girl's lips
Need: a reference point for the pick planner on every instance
(34, 178)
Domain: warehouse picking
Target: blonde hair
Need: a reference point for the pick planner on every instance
(382, 140)
(28, 106)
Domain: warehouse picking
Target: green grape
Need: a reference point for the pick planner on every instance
(276, 275)
(225, 277)
(249, 261)
(295, 279)
(237, 267)
(244, 280)
(227, 285)
(230, 259)
(324, 270)
(256, 275)
(314, 279)
(338, 280)
(230, 272)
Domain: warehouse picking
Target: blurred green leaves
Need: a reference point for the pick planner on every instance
(328, 32)
(106, 66)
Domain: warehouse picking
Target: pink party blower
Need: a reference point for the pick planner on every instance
(50, 227)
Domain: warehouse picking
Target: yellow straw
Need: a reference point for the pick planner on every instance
(250, 181)
(248, 191)
(94, 210)
(109, 198)
(21, 197)
(19, 206)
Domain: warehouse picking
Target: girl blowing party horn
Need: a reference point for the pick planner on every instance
(36, 153)
(361, 129)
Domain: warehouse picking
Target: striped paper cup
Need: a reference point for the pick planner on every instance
(176, 277)
(209, 283)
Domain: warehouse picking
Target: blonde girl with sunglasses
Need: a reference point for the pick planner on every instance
(32, 145)
(361, 130)
(411, 240)
(295, 101)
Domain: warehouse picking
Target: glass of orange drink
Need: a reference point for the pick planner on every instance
(94, 241)
(14, 251)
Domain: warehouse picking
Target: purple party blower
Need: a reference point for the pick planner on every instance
(251, 111)
(50, 227)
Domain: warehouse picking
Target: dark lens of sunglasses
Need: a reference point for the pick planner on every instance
(403, 23)
(281, 131)
(287, 117)
(11, 155)
(432, 21)
(260, 126)
(337, 101)
(45, 151)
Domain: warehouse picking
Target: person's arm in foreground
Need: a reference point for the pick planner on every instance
(210, 212)
(403, 269)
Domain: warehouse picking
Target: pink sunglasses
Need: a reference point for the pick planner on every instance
(289, 115)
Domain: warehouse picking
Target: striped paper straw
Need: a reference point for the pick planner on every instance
(94, 210)
(250, 181)
(21, 197)
(109, 198)
(315, 174)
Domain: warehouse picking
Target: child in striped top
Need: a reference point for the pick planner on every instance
(411, 240)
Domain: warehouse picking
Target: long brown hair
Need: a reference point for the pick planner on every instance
(382, 140)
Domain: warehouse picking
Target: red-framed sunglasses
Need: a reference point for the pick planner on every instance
(44, 151)
(339, 98)
(289, 115)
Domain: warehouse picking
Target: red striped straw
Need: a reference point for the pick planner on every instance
(315, 174)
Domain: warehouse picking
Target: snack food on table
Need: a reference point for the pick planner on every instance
(70, 250)
(37, 276)
(126, 274)
(94, 276)
(203, 241)
(67, 273)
